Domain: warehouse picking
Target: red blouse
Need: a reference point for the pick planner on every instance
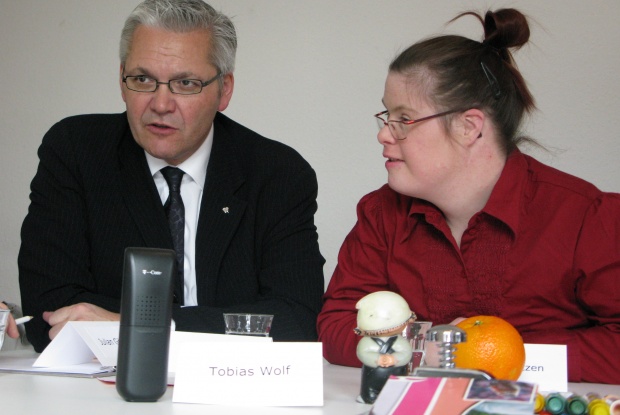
(543, 254)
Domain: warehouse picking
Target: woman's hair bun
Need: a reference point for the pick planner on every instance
(505, 29)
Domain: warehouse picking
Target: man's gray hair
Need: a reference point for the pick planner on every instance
(184, 16)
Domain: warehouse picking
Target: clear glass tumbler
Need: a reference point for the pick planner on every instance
(248, 324)
(415, 332)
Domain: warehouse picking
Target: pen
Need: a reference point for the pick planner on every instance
(23, 320)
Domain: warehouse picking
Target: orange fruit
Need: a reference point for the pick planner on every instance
(492, 345)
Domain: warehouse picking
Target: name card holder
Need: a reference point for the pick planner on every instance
(81, 341)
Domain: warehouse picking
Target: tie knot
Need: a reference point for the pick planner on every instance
(173, 176)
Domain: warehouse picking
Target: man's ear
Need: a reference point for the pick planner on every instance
(120, 81)
(228, 85)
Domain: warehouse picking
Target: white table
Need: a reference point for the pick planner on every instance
(26, 394)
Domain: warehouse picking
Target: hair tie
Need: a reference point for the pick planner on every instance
(502, 52)
(496, 50)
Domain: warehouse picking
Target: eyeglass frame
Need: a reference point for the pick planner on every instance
(158, 83)
(386, 122)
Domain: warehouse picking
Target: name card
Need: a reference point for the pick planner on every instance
(547, 366)
(242, 373)
(79, 342)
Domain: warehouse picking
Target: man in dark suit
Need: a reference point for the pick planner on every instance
(250, 243)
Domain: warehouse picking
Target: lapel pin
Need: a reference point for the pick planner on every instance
(225, 209)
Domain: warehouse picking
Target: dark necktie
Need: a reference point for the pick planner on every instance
(176, 220)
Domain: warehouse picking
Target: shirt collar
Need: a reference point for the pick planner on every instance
(505, 200)
(195, 166)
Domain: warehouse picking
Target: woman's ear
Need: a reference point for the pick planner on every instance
(472, 124)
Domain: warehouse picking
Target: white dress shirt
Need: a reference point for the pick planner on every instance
(192, 186)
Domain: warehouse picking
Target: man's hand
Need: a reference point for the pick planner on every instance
(457, 321)
(11, 327)
(77, 312)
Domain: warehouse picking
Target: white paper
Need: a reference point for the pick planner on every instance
(258, 374)
(547, 366)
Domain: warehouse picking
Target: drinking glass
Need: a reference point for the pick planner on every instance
(415, 332)
(248, 324)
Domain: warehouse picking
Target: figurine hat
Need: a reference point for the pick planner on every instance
(382, 312)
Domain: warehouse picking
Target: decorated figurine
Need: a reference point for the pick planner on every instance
(381, 318)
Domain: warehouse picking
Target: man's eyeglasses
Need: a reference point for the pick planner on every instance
(399, 128)
(143, 83)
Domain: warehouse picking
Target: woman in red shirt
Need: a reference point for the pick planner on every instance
(469, 225)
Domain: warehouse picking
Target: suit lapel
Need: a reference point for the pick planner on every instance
(220, 212)
(140, 194)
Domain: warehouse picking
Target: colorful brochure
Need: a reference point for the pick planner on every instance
(454, 396)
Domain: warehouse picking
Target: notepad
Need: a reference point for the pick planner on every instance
(19, 361)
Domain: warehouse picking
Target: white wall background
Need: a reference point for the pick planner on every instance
(309, 74)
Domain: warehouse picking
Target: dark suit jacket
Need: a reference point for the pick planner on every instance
(93, 196)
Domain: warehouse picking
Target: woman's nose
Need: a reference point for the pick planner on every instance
(384, 136)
